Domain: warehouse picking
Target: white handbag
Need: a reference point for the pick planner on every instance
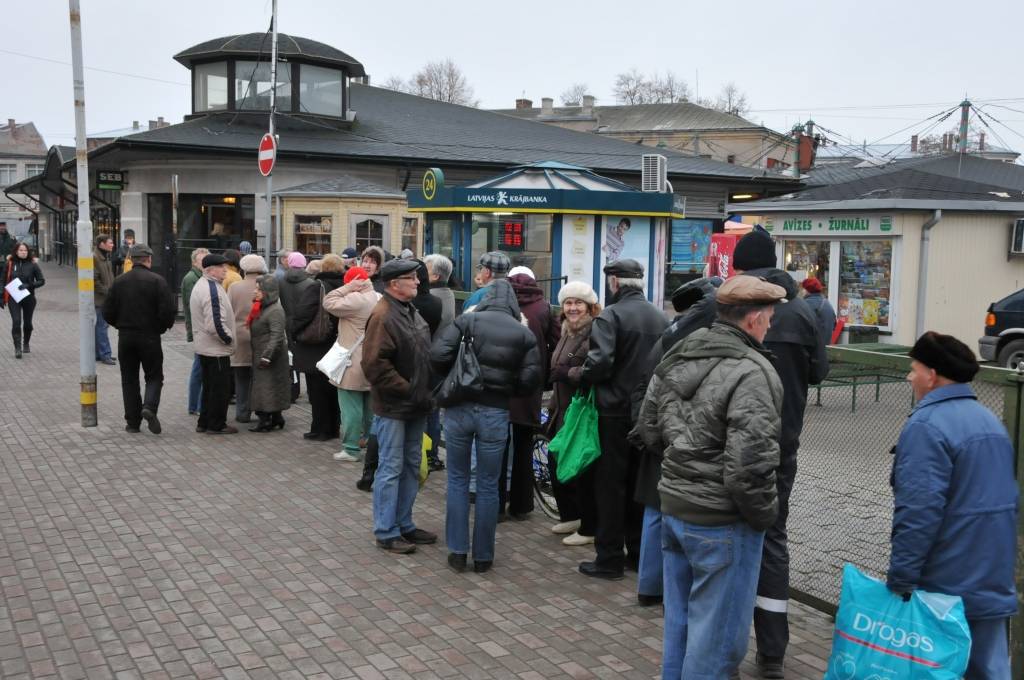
(337, 360)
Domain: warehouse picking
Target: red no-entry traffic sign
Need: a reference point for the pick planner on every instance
(268, 154)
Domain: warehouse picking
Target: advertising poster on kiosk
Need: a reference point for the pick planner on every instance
(578, 248)
(627, 237)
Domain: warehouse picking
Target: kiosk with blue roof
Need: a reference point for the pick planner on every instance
(562, 221)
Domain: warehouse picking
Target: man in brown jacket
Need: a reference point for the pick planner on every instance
(396, 354)
(102, 280)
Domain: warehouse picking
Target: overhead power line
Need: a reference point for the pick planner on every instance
(93, 68)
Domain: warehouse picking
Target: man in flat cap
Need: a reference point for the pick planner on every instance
(489, 268)
(955, 515)
(213, 331)
(798, 354)
(141, 307)
(621, 339)
(714, 407)
(396, 362)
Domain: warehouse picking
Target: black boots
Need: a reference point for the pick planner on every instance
(265, 423)
(365, 482)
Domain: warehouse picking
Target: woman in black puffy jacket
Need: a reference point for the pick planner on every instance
(19, 265)
(509, 366)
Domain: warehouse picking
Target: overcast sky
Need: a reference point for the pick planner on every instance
(864, 69)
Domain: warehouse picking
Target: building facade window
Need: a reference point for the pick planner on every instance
(526, 239)
(253, 85)
(369, 231)
(210, 86)
(313, 234)
(33, 169)
(410, 234)
(8, 174)
(320, 90)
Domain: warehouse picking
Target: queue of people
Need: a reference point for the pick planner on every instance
(699, 421)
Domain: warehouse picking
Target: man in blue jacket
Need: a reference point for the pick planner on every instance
(955, 518)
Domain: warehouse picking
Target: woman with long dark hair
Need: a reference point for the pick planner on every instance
(19, 265)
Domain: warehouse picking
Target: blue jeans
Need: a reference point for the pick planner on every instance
(990, 653)
(651, 573)
(102, 341)
(195, 386)
(710, 586)
(487, 427)
(396, 482)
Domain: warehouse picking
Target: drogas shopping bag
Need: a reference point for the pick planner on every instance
(577, 444)
(880, 637)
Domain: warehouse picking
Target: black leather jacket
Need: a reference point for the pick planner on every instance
(621, 339)
(506, 349)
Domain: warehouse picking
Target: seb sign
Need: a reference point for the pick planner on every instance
(782, 226)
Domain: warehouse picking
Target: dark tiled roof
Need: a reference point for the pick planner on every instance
(393, 126)
(252, 44)
(342, 184)
(680, 116)
(937, 178)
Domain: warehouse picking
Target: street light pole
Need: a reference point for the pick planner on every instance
(272, 244)
(86, 305)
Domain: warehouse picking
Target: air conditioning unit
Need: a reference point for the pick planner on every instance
(1017, 238)
(654, 173)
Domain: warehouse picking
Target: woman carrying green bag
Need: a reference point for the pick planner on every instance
(575, 499)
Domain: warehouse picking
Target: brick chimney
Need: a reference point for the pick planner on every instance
(588, 105)
(11, 126)
(160, 122)
(547, 106)
(981, 141)
(135, 125)
(913, 144)
(524, 104)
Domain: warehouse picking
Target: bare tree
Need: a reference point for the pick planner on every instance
(630, 87)
(395, 83)
(574, 95)
(669, 89)
(440, 80)
(732, 100)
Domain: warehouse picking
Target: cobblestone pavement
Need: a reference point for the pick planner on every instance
(185, 555)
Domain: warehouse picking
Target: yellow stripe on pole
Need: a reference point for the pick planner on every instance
(85, 263)
(88, 398)
(85, 285)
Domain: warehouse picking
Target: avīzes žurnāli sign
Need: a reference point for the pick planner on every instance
(830, 225)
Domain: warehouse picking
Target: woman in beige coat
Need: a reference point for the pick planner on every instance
(352, 304)
(240, 295)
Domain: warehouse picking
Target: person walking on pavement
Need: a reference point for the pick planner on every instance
(515, 488)
(271, 382)
(20, 265)
(509, 366)
(621, 339)
(717, 490)
(396, 350)
(140, 306)
(956, 502)
(7, 242)
(188, 282)
(352, 304)
(798, 355)
(577, 509)
(491, 267)
(213, 327)
(241, 296)
(323, 396)
(694, 303)
(102, 280)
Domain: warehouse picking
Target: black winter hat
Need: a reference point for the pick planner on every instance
(755, 251)
(945, 354)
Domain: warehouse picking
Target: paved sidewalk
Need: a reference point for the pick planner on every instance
(192, 556)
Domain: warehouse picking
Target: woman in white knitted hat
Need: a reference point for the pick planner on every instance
(575, 500)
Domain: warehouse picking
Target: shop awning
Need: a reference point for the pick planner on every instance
(547, 187)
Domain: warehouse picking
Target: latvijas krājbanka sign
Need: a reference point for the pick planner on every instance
(845, 225)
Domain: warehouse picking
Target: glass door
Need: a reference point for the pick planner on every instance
(369, 230)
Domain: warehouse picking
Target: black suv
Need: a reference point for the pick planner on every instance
(1003, 341)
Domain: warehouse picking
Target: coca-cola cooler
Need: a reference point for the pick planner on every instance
(720, 255)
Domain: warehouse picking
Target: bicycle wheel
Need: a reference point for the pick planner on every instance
(542, 491)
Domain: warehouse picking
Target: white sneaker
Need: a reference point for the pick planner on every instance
(566, 527)
(577, 539)
(346, 457)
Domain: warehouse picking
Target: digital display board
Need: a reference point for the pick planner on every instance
(513, 235)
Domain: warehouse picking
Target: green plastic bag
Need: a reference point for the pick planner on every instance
(577, 444)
